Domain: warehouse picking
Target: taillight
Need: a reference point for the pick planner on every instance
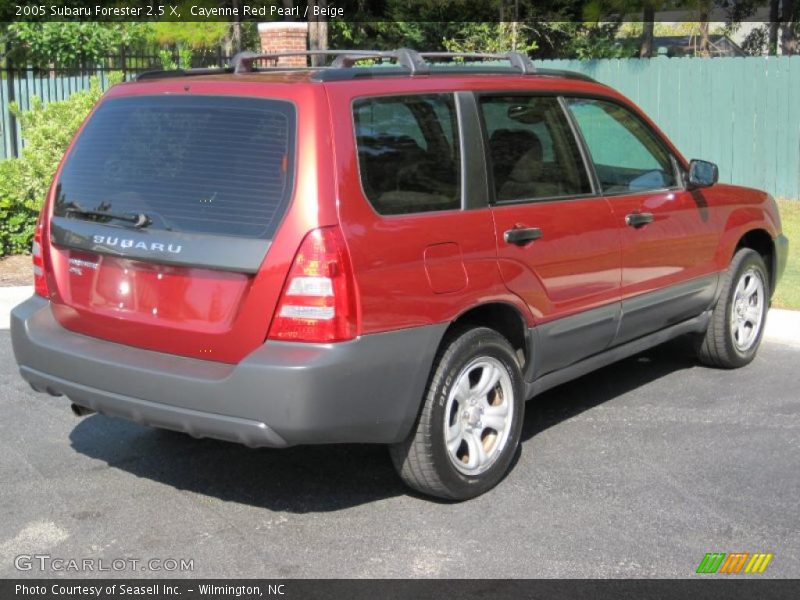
(318, 300)
(39, 277)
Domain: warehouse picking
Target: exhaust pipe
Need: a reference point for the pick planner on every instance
(80, 411)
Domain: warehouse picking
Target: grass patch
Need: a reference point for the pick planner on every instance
(787, 294)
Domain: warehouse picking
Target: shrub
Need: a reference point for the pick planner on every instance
(24, 181)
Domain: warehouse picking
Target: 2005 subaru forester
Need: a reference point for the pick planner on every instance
(397, 248)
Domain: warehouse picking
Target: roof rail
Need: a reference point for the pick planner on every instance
(406, 61)
(160, 74)
(411, 60)
(517, 60)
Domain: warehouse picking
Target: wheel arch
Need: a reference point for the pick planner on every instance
(749, 227)
(503, 317)
(761, 241)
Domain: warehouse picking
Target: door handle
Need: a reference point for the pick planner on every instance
(637, 220)
(520, 236)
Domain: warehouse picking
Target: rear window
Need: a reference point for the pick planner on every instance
(197, 164)
(408, 153)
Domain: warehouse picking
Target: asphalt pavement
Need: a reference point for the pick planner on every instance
(637, 470)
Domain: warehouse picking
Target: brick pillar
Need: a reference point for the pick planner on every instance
(285, 36)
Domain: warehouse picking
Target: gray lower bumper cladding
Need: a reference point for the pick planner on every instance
(282, 394)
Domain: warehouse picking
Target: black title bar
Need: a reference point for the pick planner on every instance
(359, 11)
(729, 588)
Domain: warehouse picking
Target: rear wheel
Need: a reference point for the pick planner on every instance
(470, 424)
(737, 321)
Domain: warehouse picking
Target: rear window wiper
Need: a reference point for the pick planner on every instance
(139, 220)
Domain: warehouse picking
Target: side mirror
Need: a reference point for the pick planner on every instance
(701, 174)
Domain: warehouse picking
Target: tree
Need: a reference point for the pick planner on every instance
(195, 35)
(317, 32)
(789, 26)
(42, 44)
(548, 29)
(774, 16)
(648, 24)
(704, 11)
(781, 33)
(491, 37)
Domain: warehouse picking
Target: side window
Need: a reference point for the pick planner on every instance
(627, 155)
(408, 153)
(532, 149)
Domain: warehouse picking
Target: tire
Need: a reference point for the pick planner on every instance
(737, 321)
(475, 399)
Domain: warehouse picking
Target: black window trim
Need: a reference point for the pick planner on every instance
(587, 164)
(676, 164)
(457, 131)
(475, 173)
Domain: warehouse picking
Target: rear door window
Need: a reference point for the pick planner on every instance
(408, 153)
(220, 165)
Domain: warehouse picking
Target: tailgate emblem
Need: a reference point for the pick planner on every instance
(76, 265)
(108, 240)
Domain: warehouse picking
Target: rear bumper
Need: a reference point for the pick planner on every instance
(366, 390)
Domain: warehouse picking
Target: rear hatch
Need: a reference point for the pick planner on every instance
(162, 215)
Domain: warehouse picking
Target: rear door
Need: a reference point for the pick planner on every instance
(558, 246)
(162, 215)
(668, 235)
(407, 183)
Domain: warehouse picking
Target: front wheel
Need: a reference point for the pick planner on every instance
(737, 321)
(470, 424)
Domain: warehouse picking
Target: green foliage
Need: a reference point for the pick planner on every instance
(24, 181)
(42, 44)
(787, 294)
(17, 220)
(491, 26)
(492, 37)
(588, 41)
(169, 63)
(189, 34)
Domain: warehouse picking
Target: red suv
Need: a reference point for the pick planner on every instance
(397, 248)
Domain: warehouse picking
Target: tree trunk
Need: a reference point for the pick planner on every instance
(317, 34)
(789, 42)
(236, 32)
(704, 42)
(288, 4)
(774, 18)
(648, 17)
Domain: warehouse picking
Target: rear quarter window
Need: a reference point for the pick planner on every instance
(200, 164)
(408, 153)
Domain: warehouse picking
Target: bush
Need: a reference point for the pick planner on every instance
(24, 181)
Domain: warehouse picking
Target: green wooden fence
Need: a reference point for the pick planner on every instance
(741, 113)
(20, 85)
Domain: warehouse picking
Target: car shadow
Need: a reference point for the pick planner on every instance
(570, 399)
(327, 478)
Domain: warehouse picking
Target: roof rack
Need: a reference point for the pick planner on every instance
(404, 61)
(516, 60)
(413, 62)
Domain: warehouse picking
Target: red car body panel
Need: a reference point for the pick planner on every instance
(409, 270)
